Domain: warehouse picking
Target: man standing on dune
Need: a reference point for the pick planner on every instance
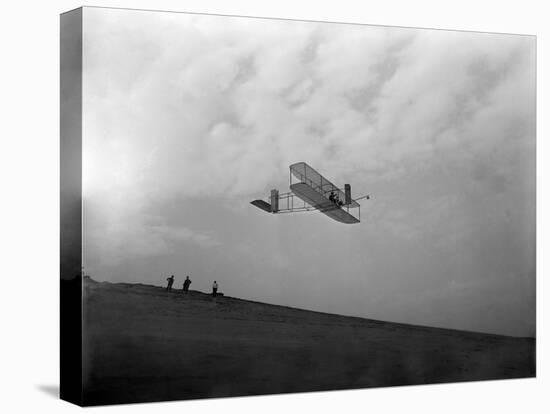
(214, 288)
(170, 283)
(186, 284)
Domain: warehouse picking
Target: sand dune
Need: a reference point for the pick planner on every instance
(145, 344)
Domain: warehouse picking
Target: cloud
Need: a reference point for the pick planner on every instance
(203, 239)
(257, 96)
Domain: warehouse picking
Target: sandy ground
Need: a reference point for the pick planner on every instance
(144, 344)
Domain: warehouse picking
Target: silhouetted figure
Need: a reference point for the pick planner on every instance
(214, 288)
(170, 283)
(186, 284)
(336, 199)
(331, 196)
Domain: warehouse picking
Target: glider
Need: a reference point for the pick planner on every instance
(314, 192)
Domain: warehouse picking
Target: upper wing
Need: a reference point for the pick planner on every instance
(308, 175)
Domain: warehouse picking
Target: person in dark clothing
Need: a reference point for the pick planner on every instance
(331, 196)
(186, 284)
(170, 283)
(215, 288)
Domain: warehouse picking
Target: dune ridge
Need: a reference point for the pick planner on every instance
(143, 343)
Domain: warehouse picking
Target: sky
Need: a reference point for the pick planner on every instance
(187, 118)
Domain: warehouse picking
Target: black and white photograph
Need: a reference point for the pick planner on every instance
(277, 206)
(271, 207)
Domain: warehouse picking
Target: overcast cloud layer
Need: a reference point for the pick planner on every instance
(187, 118)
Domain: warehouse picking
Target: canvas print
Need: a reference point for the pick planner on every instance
(258, 206)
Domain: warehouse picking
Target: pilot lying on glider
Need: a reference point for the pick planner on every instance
(334, 198)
